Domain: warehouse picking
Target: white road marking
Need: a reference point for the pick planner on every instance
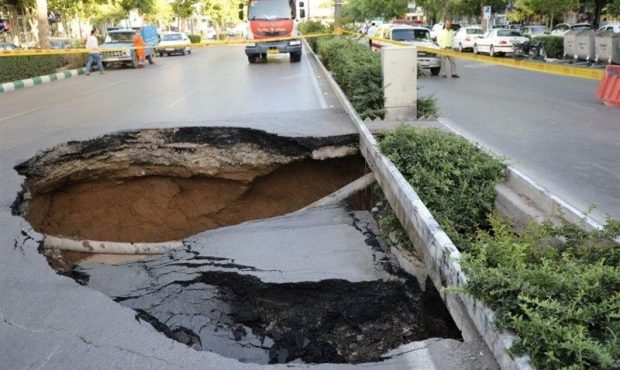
(21, 113)
(180, 99)
(315, 83)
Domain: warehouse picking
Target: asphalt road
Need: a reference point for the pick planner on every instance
(550, 127)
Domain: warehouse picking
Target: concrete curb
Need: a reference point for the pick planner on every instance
(39, 80)
(432, 244)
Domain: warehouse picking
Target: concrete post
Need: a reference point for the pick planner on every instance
(400, 81)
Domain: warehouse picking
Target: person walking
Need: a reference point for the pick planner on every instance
(139, 45)
(445, 41)
(92, 45)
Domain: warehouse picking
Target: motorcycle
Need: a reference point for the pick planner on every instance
(531, 49)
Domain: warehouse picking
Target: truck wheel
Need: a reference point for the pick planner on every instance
(252, 59)
(435, 71)
(295, 57)
(150, 59)
(134, 61)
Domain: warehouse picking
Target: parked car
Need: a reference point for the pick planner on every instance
(60, 43)
(498, 42)
(535, 31)
(174, 42)
(563, 28)
(466, 37)
(7, 46)
(610, 27)
(415, 35)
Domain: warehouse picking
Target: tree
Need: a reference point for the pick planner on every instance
(613, 8)
(44, 40)
(360, 10)
(221, 11)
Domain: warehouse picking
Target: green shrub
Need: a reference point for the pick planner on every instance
(427, 107)
(553, 46)
(454, 178)
(22, 67)
(73, 61)
(194, 38)
(357, 69)
(561, 299)
(311, 27)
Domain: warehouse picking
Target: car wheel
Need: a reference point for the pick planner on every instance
(189, 51)
(435, 71)
(476, 51)
(252, 59)
(491, 51)
(295, 57)
(161, 54)
(168, 54)
(460, 47)
(183, 51)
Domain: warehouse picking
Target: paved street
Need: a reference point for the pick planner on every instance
(550, 127)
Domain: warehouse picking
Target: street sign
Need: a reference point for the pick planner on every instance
(486, 12)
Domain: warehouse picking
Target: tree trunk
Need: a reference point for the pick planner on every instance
(42, 23)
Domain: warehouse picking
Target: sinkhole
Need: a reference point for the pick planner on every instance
(163, 185)
(315, 285)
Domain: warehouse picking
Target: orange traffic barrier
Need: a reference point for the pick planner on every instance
(609, 89)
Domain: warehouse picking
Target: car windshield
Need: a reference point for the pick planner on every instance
(271, 9)
(172, 37)
(508, 33)
(474, 31)
(411, 35)
(121, 37)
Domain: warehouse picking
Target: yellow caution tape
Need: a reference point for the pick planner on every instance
(35, 52)
(550, 68)
(556, 69)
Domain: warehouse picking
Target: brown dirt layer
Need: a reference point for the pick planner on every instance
(156, 208)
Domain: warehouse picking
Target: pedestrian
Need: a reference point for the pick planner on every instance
(139, 45)
(445, 41)
(92, 45)
(371, 33)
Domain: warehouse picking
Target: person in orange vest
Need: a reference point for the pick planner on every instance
(139, 44)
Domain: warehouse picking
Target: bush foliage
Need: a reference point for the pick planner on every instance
(194, 38)
(22, 67)
(561, 298)
(553, 46)
(311, 27)
(357, 69)
(454, 178)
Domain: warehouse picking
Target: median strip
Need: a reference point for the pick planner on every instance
(29, 82)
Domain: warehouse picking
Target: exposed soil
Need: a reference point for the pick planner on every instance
(158, 208)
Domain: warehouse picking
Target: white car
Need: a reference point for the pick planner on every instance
(174, 43)
(610, 27)
(414, 35)
(563, 28)
(466, 37)
(535, 31)
(498, 41)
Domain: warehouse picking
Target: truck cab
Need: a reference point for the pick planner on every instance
(272, 19)
(120, 44)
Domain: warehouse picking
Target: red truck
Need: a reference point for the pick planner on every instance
(272, 19)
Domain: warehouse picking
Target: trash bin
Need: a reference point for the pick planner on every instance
(570, 44)
(607, 47)
(584, 47)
